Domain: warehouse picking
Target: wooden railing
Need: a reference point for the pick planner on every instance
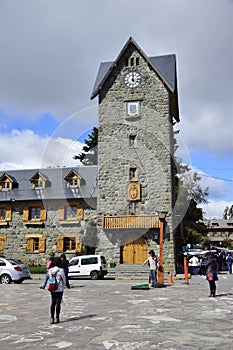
(130, 221)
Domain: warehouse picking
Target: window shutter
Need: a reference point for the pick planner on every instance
(41, 244)
(78, 246)
(61, 213)
(2, 244)
(79, 211)
(25, 214)
(8, 214)
(43, 214)
(30, 245)
(60, 244)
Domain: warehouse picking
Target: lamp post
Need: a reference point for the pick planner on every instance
(162, 216)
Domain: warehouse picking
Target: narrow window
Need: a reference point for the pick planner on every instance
(6, 185)
(137, 61)
(132, 140)
(132, 173)
(132, 61)
(134, 208)
(35, 244)
(2, 214)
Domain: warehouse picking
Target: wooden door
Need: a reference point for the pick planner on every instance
(135, 252)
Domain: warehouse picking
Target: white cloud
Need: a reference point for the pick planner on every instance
(26, 150)
(214, 209)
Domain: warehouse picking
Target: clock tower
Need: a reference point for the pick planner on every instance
(138, 105)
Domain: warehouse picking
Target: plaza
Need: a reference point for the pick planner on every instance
(107, 314)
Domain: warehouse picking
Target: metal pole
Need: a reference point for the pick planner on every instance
(161, 269)
(186, 277)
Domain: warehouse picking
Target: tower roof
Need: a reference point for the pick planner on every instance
(164, 66)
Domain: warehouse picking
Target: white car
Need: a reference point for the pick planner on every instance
(13, 271)
(94, 266)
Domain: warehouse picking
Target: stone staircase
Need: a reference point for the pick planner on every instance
(123, 271)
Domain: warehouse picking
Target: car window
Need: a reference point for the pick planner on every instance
(73, 262)
(88, 261)
(2, 263)
(13, 262)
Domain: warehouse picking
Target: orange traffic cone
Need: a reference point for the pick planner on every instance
(170, 280)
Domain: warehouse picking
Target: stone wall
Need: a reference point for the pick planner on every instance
(16, 231)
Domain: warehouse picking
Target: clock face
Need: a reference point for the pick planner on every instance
(133, 79)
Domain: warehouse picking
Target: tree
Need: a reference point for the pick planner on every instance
(228, 213)
(192, 228)
(89, 153)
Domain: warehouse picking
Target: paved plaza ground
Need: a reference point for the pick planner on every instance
(108, 314)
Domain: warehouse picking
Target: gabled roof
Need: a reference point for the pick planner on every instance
(9, 177)
(58, 187)
(164, 66)
(72, 173)
(37, 175)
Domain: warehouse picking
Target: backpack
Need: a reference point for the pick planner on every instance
(53, 283)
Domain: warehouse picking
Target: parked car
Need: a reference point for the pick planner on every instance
(94, 266)
(13, 271)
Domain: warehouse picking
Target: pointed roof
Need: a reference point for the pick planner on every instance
(72, 173)
(37, 175)
(9, 177)
(164, 66)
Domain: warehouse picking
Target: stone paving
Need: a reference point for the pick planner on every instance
(108, 314)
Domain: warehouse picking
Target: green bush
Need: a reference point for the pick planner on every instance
(37, 269)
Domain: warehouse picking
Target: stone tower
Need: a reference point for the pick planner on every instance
(138, 106)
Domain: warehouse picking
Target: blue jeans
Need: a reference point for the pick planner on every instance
(229, 266)
(153, 277)
(45, 280)
(195, 270)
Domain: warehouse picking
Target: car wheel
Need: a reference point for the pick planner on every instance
(5, 279)
(94, 275)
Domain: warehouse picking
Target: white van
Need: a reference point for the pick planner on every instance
(94, 266)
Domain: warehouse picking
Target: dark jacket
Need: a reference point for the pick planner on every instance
(211, 270)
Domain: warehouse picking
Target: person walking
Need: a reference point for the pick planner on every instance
(65, 266)
(56, 296)
(194, 262)
(153, 264)
(211, 275)
(229, 261)
(48, 265)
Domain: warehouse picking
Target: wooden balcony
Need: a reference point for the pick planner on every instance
(130, 221)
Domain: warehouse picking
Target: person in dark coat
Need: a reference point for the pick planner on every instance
(211, 274)
(65, 266)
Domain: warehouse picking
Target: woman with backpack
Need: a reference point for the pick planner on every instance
(211, 274)
(57, 280)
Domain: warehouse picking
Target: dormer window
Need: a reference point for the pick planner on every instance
(7, 182)
(39, 184)
(73, 180)
(39, 181)
(73, 183)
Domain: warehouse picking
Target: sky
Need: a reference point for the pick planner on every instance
(49, 58)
